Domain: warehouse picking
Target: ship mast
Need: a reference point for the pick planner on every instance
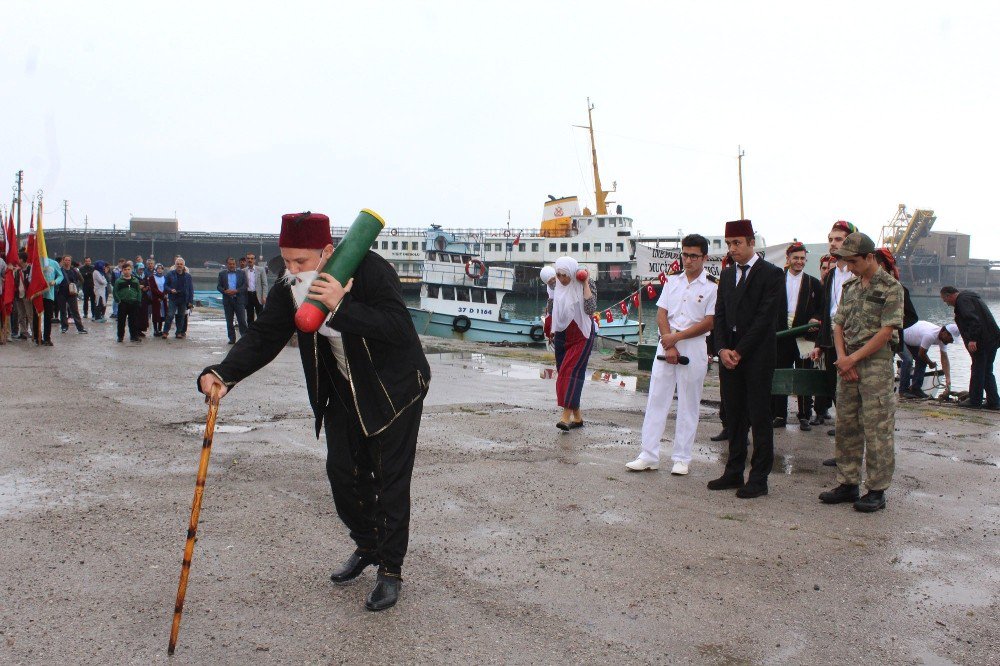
(599, 194)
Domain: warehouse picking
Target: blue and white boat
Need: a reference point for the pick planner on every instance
(462, 298)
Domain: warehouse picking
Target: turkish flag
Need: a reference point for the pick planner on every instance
(7, 304)
(623, 306)
(635, 299)
(650, 291)
(608, 316)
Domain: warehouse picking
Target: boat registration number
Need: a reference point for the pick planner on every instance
(485, 311)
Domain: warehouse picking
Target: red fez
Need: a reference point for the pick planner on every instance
(797, 246)
(308, 231)
(739, 228)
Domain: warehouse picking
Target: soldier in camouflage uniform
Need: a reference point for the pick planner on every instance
(870, 311)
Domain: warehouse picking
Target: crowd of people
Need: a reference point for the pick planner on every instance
(847, 325)
(142, 295)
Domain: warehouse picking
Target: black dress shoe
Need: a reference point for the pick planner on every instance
(725, 482)
(721, 437)
(749, 491)
(830, 462)
(819, 419)
(804, 425)
(385, 594)
(845, 492)
(832, 432)
(779, 423)
(353, 567)
(872, 501)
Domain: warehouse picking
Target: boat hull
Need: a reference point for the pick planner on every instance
(513, 331)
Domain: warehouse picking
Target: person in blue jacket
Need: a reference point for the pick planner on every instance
(179, 287)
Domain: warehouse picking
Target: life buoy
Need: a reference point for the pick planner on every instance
(393, 232)
(480, 272)
(461, 324)
(537, 333)
(506, 234)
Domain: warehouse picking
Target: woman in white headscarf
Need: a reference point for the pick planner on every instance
(574, 302)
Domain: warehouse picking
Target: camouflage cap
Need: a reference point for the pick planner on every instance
(855, 244)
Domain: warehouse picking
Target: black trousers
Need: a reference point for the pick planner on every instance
(234, 308)
(788, 357)
(128, 311)
(748, 407)
(69, 308)
(370, 479)
(823, 403)
(254, 308)
(89, 301)
(48, 314)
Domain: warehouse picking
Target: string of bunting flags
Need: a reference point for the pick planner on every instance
(632, 300)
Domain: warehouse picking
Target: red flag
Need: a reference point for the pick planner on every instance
(608, 316)
(662, 277)
(635, 299)
(675, 267)
(38, 285)
(650, 291)
(7, 305)
(623, 306)
(517, 239)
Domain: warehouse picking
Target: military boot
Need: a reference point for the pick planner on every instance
(845, 492)
(872, 501)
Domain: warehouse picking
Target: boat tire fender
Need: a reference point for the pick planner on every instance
(537, 333)
(393, 232)
(461, 324)
(506, 233)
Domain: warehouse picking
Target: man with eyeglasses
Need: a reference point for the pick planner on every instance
(684, 316)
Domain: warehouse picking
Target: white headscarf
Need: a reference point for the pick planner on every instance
(567, 303)
(546, 274)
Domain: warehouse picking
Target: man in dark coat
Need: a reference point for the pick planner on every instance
(802, 300)
(233, 287)
(751, 292)
(366, 376)
(982, 338)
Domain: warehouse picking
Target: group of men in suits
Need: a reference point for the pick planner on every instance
(244, 292)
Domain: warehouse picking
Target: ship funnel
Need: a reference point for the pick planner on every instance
(557, 214)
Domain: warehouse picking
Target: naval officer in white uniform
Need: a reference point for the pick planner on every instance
(685, 316)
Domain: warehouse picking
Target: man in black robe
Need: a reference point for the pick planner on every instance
(366, 376)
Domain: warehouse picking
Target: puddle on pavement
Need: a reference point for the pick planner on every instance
(491, 365)
(789, 464)
(199, 429)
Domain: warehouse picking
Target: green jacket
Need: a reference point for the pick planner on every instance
(127, 291)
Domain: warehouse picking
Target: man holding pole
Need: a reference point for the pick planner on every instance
(366, 376)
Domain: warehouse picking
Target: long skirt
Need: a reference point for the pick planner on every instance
(574, 350)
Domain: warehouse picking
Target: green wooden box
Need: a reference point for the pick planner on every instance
(792, 381)
(646, 355)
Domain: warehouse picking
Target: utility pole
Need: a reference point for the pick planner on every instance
(65, 212)
(739, 160)
(85, 235)
(20, 183)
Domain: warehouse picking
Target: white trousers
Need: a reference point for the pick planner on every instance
(688, 380)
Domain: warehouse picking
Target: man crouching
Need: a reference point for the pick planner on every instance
(367, 377)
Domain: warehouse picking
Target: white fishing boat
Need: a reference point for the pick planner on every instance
(461, 297)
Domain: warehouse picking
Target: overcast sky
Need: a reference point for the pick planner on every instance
(455, 113)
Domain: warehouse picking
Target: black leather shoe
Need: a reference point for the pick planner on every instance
(819, 419)
(845, 492)
(830, 462)
(832, 432)
(721, 437)
(872, 501)
(725, 482)
(968, 404)
(779, 423)
(804, 425)
(385, 594)
(751, 490)
(353, 567)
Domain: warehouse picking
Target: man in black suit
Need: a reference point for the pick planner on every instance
(750, 297)
(982, 338)
(802, 298)
(233, 287)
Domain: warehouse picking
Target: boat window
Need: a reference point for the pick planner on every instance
(466, 258)
(562, 247)
(463, 294)
(455, 259)
(406, 245)
(576, 247)
(717, 242)
(586, 247)
(448, 293)
(600, 222)
(521, 247)
(607, 247)
(621, 247)
(534, 247)
(432, 291)
(385, 245)
(552, 247)
(491, 296)
(395, 245)
(613, 222)
(475, 247)
(375, 245)
(478, 296)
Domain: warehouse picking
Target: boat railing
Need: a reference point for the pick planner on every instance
(436, 272)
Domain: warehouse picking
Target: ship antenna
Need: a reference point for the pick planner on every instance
(739, 161)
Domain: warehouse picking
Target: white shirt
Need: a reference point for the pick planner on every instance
(840, 276)
(753, 260)
(251, 278)
(688, 302)
(793, 283)
(923, 334)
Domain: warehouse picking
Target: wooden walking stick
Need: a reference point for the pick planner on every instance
(199, 488)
